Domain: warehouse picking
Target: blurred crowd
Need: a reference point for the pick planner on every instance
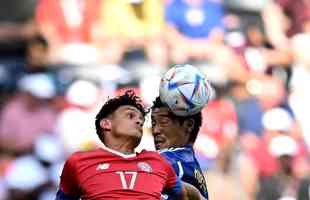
(61, 59)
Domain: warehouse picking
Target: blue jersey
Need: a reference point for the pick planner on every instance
(186, 166)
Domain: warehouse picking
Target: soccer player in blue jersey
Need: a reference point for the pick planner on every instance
(174, 137)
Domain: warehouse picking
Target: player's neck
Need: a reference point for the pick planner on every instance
(125, 146)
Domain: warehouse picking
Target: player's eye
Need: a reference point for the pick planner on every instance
(165, 120)
(153, 123)
(131, 115)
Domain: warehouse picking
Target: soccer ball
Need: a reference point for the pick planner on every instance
(185, 90)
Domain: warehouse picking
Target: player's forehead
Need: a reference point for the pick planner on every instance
(160, 112)
(127, 108)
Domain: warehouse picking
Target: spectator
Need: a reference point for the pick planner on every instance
(133, 24)
(74, 124)
(37, 54)
(248, 122)
(195, 31)
(262, 57)
(27, 114)
(191, 18)
(299, 96)
(216, 143)
(25, 177)
(258, 160)
(36, 61)
(191, 26)
(284, 18)
(283, 184)
(222, 175)
(220, 119)
(219, 125)
(271, 94)
(16, 26)
(304, 189)
(66, 23)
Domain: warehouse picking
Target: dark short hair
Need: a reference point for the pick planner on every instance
(196, 117)
(38, 39)
(128, 98)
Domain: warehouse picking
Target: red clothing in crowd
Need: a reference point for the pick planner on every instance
(298, 12)
(219, 121)
(53, 13)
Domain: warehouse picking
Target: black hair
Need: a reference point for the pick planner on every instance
(128, 98)
(197, 118)
(38, 39)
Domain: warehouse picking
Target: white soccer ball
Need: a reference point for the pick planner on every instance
(185, 90)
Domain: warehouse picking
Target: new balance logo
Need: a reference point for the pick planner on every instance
(103, 166)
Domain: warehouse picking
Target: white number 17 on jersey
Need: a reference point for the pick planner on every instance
(132, 179)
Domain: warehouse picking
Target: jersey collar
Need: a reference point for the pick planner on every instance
(117, 152)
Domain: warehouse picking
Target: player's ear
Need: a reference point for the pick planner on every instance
(105, 124)
(189, 125)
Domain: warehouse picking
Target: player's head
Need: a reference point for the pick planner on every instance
(37, 52)
(170, 130)
(122, 116)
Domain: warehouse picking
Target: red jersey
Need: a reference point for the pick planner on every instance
(106, 174)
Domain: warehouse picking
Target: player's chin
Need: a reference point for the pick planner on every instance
(160, 145)
(138, 134)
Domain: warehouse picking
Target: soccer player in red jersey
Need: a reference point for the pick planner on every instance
(115, 171)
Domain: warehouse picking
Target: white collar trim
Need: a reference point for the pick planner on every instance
(118, 153)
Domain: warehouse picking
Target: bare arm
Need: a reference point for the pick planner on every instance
(14, 31)
(276, 24)
(189, 192)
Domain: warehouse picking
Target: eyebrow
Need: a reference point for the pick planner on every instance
(162, 115)
(131, 109)
(134, 110)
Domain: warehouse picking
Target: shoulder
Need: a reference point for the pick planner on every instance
(175, 4)
(183, 154)
(147, 153)
(214, 2)
(82, 155)
(154, 155)
(175, 149)
(179, 151)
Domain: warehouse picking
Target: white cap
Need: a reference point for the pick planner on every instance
(283, 145)
(149, 88)
(39, 85)
(54, 172)
(206, 146)
(82, 93)
(49, 148)
(26, 173)
(277, 119)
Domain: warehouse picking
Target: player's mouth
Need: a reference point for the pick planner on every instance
(159, 142)
(139, 129)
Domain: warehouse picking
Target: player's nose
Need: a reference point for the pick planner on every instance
(139, 122)
(155, 130)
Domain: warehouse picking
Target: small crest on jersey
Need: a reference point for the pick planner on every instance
(145, 166)
(103, 166)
